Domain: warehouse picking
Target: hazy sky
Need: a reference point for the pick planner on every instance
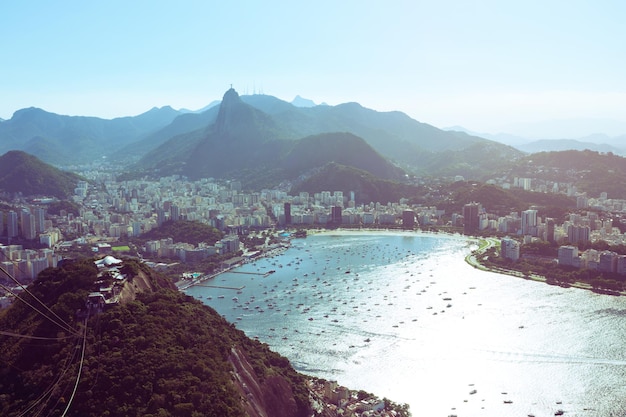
(484, 65)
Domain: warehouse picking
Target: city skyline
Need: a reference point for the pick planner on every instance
(488, 66)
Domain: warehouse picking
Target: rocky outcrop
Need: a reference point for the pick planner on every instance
(139, 281)
(270, 397)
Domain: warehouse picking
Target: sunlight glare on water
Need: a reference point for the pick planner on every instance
(403, 316)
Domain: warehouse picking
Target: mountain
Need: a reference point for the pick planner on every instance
(63, 139)
(248, 144)
(393, 134)
(202, 110)
(302, 102)
(504, 138)
(185, 125)
(157, 352)
(256, 133)
(567, 128)
(547, 145)
(76, 139)
(591, 171)
(24, 173)
(366, 187)
(342, 148)
(599, 142)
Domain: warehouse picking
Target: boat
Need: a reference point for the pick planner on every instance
(559, 412)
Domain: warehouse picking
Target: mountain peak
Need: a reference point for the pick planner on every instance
(232, 113)
(230, 94)
(299, 101)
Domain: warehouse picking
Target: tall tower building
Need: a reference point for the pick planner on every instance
(160, 217)
(12, 224)
(408, 219)
(577, 234)
(174, 213)
(40, 218)
(470, 218)
(529, 222)
(550, 230)
(29, 230)
(287, 209)
(335, 215)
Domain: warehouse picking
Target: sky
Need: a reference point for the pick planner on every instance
(524, 67)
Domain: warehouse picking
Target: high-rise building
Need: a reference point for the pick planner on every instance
(287, 209)
(577, 234)
(174, 213)
(550, 230)
(40, 218)
(470, 218)
(608, 261)
(509, 249)
(335, 215)
(12, 230)
(29, 230)
(160, 217)
(529, 222)
(408, 219)
(568, 255)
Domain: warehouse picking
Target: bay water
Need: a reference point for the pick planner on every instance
(402, 315)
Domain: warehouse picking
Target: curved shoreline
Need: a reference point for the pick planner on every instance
(486, 243)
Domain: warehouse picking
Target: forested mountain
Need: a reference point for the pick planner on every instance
(170, 139)
(591, 172)
(76, 139)
(366, 187)
(158, 353)
(26, 174)
(502, 202)
(248, 144)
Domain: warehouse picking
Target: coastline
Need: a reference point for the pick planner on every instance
(483, 243)
(486, 243)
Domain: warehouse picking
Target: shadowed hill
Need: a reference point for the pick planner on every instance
(21, 172)
(365, 186)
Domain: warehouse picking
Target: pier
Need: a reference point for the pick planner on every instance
(250, 273)
(221, 286)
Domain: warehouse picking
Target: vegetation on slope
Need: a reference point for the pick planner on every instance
(592, 172)
(341, 148)
(366, 187)
(186, 231)
(502, 202)
(63, 139)
(24, 173)
(163, 354)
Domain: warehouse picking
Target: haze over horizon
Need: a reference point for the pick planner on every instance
(489, 66)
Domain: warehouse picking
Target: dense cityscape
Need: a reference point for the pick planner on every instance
(112, 212)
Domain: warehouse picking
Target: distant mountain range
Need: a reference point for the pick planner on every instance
(76, 139)
(596, 142)
(257, 138)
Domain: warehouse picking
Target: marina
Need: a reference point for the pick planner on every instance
(403, 315)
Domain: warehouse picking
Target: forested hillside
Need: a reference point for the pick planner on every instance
(163, 354)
